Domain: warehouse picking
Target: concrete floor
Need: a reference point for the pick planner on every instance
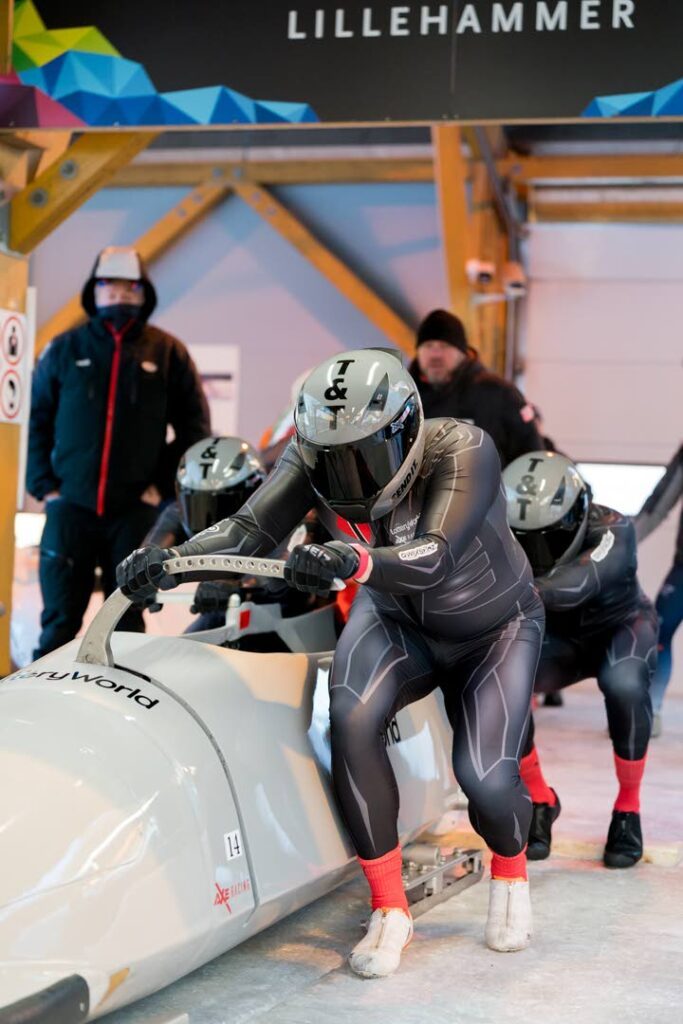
(608, 946)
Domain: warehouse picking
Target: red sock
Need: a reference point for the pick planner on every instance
(630, 775)
(385, 881)
(509, 868)
(532, 777)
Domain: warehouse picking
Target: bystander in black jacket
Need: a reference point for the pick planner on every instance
(475, 394)
(104, 396)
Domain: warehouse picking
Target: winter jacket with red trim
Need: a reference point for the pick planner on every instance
(158, 384)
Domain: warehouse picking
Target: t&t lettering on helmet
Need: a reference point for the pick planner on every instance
(334, 409)
(527, 485)
(523, 505)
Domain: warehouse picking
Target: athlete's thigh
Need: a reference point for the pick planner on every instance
(489, 701)
(380, 661)
(630, 652)
(563, 661)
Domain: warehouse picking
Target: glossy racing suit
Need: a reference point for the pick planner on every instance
(449, 603)
(599, 623)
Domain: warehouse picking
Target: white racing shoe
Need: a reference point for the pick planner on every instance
(508, 927)
(379, 952)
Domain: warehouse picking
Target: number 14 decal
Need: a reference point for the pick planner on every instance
(233, 844)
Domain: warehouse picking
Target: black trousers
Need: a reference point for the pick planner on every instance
(75, 541)
(380, 666)
(622, 661)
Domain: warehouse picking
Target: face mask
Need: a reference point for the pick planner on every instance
(119, 315)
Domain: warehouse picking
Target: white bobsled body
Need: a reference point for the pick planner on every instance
(156, 813)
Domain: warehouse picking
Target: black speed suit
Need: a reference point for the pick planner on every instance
(599, 623)
(450, 602)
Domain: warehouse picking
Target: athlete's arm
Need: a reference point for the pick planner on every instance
(610, 557)
(272, 512)
(463, 484)
(665, 495)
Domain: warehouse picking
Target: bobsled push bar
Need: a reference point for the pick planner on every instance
(95, 647)
(432, 874)
(65, 1002)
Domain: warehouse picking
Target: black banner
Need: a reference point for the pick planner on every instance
(358, 60)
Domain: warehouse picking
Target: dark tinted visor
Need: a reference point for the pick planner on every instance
(544, 548)
(201, 509)
(356, 472)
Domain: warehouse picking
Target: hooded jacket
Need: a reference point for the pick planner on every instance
(476, 395)
(102, 401)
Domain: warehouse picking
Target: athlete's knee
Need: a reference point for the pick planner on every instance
(352, 721)
(629, 686)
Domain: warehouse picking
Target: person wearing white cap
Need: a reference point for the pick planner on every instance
(104, 395)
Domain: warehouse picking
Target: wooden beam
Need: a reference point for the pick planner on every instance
(623, 211)
(450, 174)
(13, 285)
(274, 172)
(617, 166)
(84, 168)
(6, 35)
(50, 143)
(155, 241)
(336, 272)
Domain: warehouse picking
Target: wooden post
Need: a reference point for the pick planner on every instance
(13, 285)
(450, 177)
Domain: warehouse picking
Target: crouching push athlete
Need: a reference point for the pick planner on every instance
(447, 600)
(599, 623)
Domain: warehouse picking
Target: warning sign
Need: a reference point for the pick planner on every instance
(14, 367)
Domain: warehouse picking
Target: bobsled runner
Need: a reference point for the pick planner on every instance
(165, 798)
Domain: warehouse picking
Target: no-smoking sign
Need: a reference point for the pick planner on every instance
(14, 367)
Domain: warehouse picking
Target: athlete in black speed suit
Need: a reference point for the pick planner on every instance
(447, 600)
(599, 624)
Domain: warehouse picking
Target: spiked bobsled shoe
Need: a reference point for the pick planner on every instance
(379, 952)
(508, 927)
(624, 846)
(540, 831)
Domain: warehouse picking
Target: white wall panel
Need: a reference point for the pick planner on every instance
(603, 344)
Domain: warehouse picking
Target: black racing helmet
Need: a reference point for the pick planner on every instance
(215, 478)
(360, 432)
(547, 503)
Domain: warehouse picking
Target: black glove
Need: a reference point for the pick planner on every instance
(148, 603)
(142, 573)
(314, 567)
(211, 597)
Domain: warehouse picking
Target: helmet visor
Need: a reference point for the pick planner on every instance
(545, 548)
(201, 509)
(356, 472)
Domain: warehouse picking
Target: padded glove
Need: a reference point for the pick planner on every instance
(211, 597)
(141, 574)
(314, 567)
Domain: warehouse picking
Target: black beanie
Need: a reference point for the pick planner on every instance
(442, 326)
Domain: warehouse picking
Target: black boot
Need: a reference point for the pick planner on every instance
(553, 700)
(624, 846)
(542, 818)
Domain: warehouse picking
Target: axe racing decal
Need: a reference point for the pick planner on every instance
(82, 677)
(412, 554)
(226, 893)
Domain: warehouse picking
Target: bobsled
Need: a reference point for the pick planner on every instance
(165, 798)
